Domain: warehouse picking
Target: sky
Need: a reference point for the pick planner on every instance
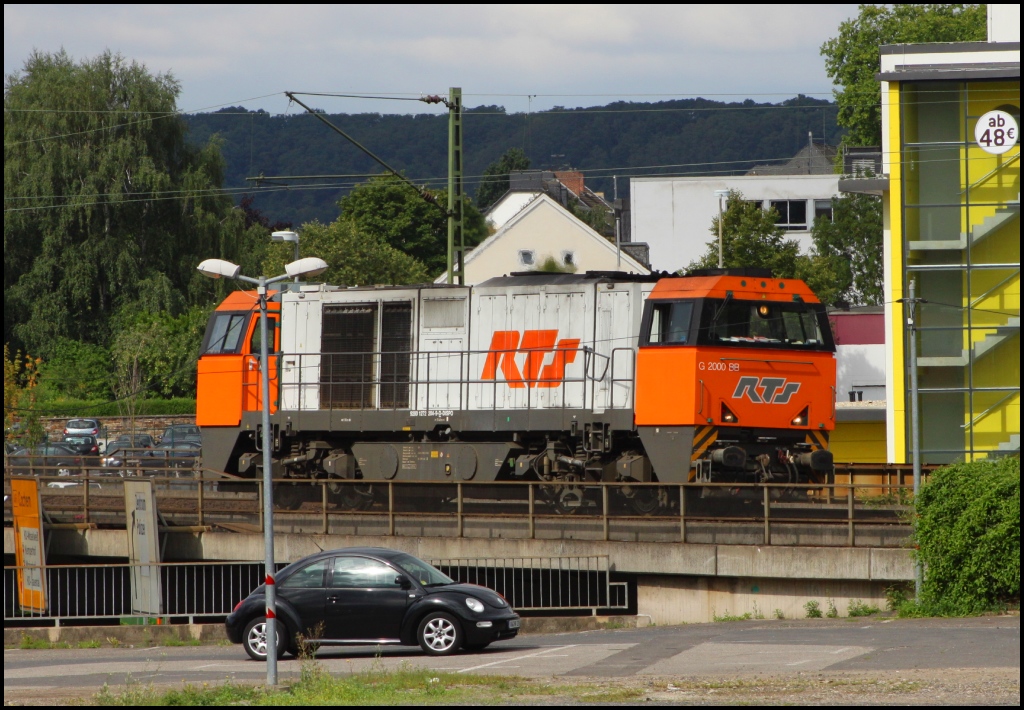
(528, 57)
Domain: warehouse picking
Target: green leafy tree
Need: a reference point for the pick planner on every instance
(852, 59)
(76, 370)
(750, 238)
(355, 258)
(388, 208)
(846, 263)
(496, 177)
(102, 192)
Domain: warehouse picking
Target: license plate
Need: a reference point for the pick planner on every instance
(513, 623)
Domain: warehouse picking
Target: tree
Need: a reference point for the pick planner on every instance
(496, 177)
(101, 192)
(852, 59)
(355, 258)
(846, 263)
(388, 208)
(750, 238)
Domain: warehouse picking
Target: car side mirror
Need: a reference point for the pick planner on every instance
(403, 581)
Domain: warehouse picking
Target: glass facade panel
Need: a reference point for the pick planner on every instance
(932, 175)
(961, 237)
(931, 112)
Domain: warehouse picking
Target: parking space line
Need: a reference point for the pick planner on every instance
(516, 658)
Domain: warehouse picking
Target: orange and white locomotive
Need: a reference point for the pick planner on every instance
(723, 375)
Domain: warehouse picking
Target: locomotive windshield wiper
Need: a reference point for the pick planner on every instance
(721, 309)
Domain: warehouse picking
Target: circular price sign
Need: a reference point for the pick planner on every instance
(996, 132)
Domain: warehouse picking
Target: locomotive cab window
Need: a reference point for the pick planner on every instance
(224, 333)
(668, 323)
(773, 324)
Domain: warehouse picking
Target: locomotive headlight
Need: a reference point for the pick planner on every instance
(764, 310)
(475, 605)
(801, 418)
(727, 416)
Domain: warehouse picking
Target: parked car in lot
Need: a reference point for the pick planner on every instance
(125, 446)
(84, 444)
(88, 427)
(49, 459)
(176, 433)
(372, 595)
(182, 454)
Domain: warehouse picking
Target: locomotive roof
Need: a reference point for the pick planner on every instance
(740, 287)
(542, 278)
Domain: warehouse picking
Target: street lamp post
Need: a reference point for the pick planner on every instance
(720, 194)
(215, 269)
(287, 236)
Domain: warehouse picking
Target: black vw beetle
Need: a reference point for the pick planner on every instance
(372, 595)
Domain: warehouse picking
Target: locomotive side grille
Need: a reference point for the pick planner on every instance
(395, 344)
(347, 353)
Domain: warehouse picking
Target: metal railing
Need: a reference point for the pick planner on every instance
(543, 583)
(856, 507)
(197, 592)
(357, 381)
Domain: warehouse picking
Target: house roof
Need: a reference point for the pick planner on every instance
(812, 159)
(540, 202)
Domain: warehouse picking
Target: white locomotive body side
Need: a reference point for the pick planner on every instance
(509, 344)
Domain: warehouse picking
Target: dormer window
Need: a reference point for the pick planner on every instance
(527, 257)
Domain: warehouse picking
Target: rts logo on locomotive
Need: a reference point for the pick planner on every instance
(773, 390)
(537, 345)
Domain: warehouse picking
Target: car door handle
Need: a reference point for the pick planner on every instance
(332, 599)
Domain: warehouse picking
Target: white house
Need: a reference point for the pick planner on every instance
(539, 230)
(673, 214)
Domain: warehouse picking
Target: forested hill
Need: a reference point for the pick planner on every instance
(608, 138)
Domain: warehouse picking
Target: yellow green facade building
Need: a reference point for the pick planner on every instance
(952, 226)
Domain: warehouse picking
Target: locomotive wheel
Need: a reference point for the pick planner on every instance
(289, 496)
(566, 499)
(645, 500)
(350, 497)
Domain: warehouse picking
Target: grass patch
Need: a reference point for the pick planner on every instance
(859, 608)
(90, 643)
(731, 617)
(31, 642)
(405, 686)
(180, 642)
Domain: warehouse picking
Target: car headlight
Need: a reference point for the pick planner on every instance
(474, 604)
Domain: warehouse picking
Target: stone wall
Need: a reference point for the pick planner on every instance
(112, 427)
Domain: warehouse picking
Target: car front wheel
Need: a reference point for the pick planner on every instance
(255, 639)
(440, 634)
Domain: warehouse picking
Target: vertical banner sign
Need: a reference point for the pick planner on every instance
(28, 536)
(143, 547)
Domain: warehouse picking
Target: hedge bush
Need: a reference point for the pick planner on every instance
(105, 408)
(967, 535)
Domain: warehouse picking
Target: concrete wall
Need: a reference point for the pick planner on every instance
(673, 215)
(687, 600)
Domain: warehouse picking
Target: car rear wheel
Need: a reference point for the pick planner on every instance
(439, 634)
(255, 639)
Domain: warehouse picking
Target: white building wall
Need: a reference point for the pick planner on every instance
(673, 215)
(860, 368)
(1004, 22)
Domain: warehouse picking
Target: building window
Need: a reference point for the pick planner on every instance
(759, 204)
(569, 258)
(526, 257)
(792, 214)
(823, 208)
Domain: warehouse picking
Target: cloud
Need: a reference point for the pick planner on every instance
(224, 53)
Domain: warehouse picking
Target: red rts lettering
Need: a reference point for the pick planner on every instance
(536, 344)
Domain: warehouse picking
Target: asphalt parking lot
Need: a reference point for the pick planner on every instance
(775, 649)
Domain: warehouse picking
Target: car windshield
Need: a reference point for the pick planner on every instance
(425, 574)
(82, 424)
(78, 440)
